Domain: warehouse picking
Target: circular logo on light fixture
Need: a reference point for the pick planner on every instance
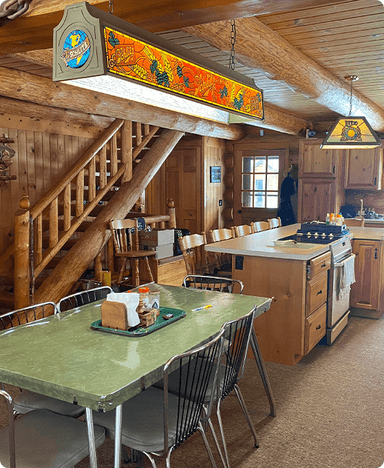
(76, 49)
(350, 133)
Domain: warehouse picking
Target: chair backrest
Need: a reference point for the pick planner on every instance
(213, 283)
(258, 226)
(192, 248)
(196, 371)
(83, 297)
(274, 223)
(354, 222)
(237, 334)
(27, 315)
(243, 230)
(125, 234)
(11, 428)
(217, 235)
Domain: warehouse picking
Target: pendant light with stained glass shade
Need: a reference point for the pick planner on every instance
(351, 132)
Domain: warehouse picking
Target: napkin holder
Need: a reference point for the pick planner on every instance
(114, 315)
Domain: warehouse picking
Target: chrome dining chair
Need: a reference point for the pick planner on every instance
(237, 335)
(156, 421)
(42, 439)
(26, 400)
(83, 297)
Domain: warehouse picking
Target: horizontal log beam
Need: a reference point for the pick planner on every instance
(43, 92)
(152, 15)
(261, 48)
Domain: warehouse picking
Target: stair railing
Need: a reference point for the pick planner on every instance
(104, 163)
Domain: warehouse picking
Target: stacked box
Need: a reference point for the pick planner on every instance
(160, 240)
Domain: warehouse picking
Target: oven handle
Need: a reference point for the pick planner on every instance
(341, 264)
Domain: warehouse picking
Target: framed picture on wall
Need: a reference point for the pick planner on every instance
(215, 174)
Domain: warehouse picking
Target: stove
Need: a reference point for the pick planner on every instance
(316, 232)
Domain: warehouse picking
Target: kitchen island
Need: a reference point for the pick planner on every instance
(295, 277)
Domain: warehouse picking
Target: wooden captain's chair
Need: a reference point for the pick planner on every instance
(126, 242)
(258, 226)
(243, 230)
(194, 254)
(222, 259)
(274, 223)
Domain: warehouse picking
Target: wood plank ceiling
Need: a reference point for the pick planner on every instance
(342, 38)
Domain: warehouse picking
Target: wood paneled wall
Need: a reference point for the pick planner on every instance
(41, 159)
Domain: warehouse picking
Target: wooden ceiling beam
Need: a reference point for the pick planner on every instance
(261, 48)
(152, 15)
(42, 91)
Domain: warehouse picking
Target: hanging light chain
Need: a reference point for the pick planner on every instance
(351, 79)
(233, 42)
(110, 6)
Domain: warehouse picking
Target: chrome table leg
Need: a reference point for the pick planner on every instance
(118, 438)
(91, 439)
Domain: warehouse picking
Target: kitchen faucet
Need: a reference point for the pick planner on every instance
(361, 213)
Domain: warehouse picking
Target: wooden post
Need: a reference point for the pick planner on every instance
(172, 213)
(22, 273)
(126, 150)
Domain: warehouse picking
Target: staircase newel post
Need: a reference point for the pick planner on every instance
(22, 274)
(172, 213)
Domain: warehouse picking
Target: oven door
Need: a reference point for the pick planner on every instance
(338, 303)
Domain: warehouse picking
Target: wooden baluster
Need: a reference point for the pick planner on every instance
(103, 167)
(110, 254)
(146, 129)
(172, 213)
(114, 154)
(139, 135)
(67, 207)
(126, 149)
(38, 239)
(22, 263)
(80, 193)
(162, 225)
(92, 179)
(98, 266)
(53, 223)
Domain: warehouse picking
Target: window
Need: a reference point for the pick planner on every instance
(260, 182)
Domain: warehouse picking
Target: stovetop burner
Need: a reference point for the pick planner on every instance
(317, 232)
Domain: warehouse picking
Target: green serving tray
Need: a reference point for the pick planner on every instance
(141, 331)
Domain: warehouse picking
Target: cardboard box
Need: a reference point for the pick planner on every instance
(162, 251)
(157, 237)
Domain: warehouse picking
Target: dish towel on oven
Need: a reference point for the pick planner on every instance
(347, 277)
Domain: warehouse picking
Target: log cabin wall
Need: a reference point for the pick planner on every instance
(45, 150)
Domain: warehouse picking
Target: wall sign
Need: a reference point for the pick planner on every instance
(215, 174)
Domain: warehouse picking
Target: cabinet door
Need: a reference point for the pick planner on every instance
(365, 291)
(363, 169)
(316, 162)
(316, 198)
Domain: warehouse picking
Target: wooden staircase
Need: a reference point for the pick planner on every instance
(47, 233)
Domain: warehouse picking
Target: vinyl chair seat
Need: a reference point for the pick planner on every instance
(48, 440)
(27, 401)
(143, 421)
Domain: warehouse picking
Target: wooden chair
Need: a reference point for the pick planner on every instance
(354, 222)
(41, 438)
(274, 223)
(258, 226)
(243, 230)
(126, 241)
(223, 260)
(194, 254)
(26, 400)
(213, 283)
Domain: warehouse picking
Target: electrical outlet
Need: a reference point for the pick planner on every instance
(220, 202)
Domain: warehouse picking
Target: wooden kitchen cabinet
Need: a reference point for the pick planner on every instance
(320, 189)
(296, 320)
(363, 169)
(367, 291)
(316, 162)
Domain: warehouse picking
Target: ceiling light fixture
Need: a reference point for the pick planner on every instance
(351, 132)
(98, 51)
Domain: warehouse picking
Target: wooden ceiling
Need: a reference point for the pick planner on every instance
(297, 51)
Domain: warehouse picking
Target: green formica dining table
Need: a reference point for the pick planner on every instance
(62, 357)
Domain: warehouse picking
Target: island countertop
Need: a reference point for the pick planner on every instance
(371, 233)
(260, 244)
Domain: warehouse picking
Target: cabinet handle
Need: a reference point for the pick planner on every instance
(323, 265)
(318, 327)
(374, 182)
(334, 169)
(320, 292)
(375, 254)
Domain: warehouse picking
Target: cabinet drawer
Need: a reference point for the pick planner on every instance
(317, 291)
(315, 328)
(319, 264)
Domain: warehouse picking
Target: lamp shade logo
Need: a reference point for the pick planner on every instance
(76, 49)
